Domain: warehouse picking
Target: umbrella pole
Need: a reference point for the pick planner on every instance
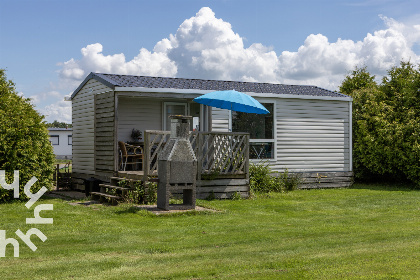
(230, 137)
(230, 121)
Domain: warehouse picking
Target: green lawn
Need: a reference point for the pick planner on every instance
(62, 162)
(366, 232)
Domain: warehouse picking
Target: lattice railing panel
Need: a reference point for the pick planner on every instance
(154, 143)
(216, 152)
(194, 142)
(224, 153)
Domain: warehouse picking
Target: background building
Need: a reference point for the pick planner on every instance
(61, 140)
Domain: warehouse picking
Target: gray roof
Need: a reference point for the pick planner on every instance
(113, 80)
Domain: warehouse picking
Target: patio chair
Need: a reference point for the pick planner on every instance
(129, 154)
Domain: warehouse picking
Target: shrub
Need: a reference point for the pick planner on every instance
(386, 123)
(150, 195)
(290, 182)
(24, 142)
(235, 196)
(211, 196)
(260, 179)
(141, 193)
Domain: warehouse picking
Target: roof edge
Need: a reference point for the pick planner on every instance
(117, 86)
(92, 75)
(59, 129)
(253, 94)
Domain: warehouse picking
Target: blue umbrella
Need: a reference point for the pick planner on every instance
(232, 100)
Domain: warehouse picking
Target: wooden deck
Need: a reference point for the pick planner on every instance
(133, 175)
(222, 161)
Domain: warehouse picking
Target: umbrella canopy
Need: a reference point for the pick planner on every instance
(232, 100)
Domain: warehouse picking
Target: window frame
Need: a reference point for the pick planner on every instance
(70, 142)
(273, 140)
(58, 139)
(165, 116)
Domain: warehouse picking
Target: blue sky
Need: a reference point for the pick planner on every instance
(293, 42)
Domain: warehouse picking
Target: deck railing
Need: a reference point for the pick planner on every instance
(218, 153)
(222, 154)
(154, 141)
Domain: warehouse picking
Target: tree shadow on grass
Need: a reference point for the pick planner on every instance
(386, 186)
(132, 209)
(152, 210)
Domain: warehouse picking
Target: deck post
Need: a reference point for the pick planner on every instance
(146, 162)
(200, 138)
(246, 167)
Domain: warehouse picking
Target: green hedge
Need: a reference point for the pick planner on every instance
(386, 123)
(24, 141)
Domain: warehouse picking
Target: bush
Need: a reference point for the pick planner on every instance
(262, 181)
(386, 123)
(235, 196)
(142, 193)
(290, 182)
(211, 196)
(24, 142)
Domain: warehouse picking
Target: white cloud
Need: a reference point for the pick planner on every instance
(325, 64)
(93, 60)
(207, 47)
(45, 96)
(60, 110)
(51, 104)
(318, 58)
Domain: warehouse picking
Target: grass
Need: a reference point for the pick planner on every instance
(62, 169)
(366, 232)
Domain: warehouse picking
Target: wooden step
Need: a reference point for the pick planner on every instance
(106, 195)
(135, 175)
(120, 179)
(114, 199)
(152, 179)
(114, 187)
(116, 180)
(155, 180)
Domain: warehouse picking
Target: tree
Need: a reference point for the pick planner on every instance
(24, 141)
(386, 123)
(358, 79)
(58, 124)
(401, 91)
(361, 86)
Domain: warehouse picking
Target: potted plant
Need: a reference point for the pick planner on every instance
(136, 135)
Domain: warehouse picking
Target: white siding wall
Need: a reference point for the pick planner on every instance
(312, 135)
(139, 113)
(219, 120)
(83, 127)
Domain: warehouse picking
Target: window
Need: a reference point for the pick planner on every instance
(70, 140)
(173, 108)
(261, 130)
(54, 139)
(195, 113)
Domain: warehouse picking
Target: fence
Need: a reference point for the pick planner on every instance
(62, 176)
(218, 154)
